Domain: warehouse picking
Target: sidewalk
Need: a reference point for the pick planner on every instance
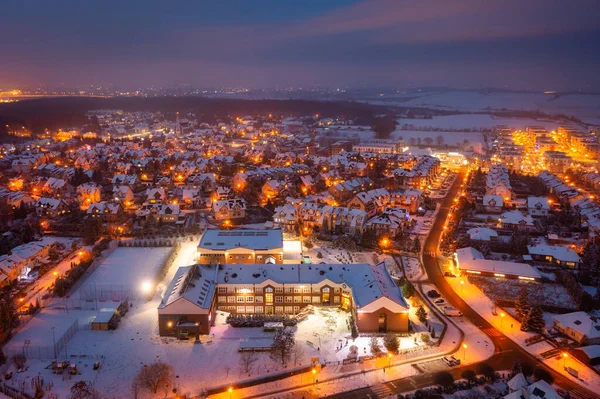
(511, 328)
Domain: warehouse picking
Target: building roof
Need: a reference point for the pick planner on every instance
(561, 253)
(580, 322)
(591, 351)
(471, 259)
(215, 239)
(369, 283)
(481, 233)
(538, 203)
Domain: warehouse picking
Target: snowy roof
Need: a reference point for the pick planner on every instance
(192, 285)
(591, 351)
(215, 239)
(517, 382)
(561, 253)
(471, 259)
(481, 233)
(538, 203)
(493, 200)
(516, 217)
(580, 322)
(538, 390)
(368, 282)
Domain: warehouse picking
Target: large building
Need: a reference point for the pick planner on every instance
(196, 292)
(241, 246)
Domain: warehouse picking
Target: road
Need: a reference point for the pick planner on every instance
(506, 351)
(35, 291)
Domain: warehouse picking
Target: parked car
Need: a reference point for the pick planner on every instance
(433, 294)
(450, 361)
(452, 312)
(448, 274)
(455, 360)
(439, 301)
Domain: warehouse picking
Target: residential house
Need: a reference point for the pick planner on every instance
(229, 209)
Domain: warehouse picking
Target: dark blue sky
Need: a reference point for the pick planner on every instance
(518, 44)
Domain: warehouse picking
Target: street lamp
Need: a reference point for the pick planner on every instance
(462, 286)
(501, 319)
(314, 373)
(465, 351)
(389, 360)
(230, 390)
(565, 356)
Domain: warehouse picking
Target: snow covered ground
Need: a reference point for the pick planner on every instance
(579, 105)
(510, 327)
(121, 352)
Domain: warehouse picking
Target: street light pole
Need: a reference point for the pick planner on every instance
(502, 319)
(314, 373)
(53, 342)
(464, 351)
(565, 356)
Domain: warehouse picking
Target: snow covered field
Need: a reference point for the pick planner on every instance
(123, 351)
(127, 266)
(579, 105)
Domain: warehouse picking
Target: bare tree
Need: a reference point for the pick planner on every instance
(297, 354)
(84, 390)
(152, 376)
(19, 360)
(283, 346)
(247, 359)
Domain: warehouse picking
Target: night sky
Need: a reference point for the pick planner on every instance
(516, 44)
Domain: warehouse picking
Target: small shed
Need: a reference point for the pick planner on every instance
(102, 319)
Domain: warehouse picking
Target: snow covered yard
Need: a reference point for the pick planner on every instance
(412, 267)
(539, 293)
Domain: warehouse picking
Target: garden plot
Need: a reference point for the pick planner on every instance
(539, 293)
(412, 267)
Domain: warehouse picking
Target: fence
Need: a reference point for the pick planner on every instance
(48, 352)
(13, 392)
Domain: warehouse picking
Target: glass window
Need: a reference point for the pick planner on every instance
(306, 290)
(278, 309)
(249, 309)
(336, 290)
(297, 290)
(222, 299)
(297, 299)
(289, 309)
(316, 299)
(289, 290)
(289, 299)
(306, 299)
(230, 299)
(240, 299)
(278, 299)
(222, 290)
(296, 309)
(240, 309)
(249, 299)
(258, 290)
(279, 290)
(268, 289)
(336, 299)
(259, 309)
